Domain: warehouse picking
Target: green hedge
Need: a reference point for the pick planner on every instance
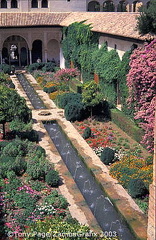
(75, 86)
(126, 124)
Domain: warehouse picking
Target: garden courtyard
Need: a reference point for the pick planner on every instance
(38, 193)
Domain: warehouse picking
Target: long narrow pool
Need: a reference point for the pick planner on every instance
(102, 208)
(31, 93)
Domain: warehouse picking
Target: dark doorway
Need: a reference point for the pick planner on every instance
(36, 50)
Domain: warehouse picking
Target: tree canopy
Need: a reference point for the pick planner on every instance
(147, 19)
(12, 106)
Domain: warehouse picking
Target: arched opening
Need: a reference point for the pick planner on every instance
(3, 3)
(23, 56)
(93, 6)
(53, 52)
(13, 3)
(44, 4)
(5, 55)
(121, 6)
(11, 51)
(137, 5)
(108, 6)
(34, 3)
(36, 50)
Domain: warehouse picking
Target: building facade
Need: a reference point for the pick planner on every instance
(71, 5)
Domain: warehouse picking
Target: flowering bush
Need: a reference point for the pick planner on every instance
(100, 137)
(55, 94)
(142, 84)
(56, 228)
(44, 210)
(50, 84)
(66, 74)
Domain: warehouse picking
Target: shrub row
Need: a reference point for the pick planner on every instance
(46, 67)
(13, 156)
(126, 124)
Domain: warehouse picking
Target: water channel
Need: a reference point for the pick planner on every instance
(102, 208)
(31, 93)
(110, 221)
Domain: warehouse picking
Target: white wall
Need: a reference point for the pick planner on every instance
(121, 45)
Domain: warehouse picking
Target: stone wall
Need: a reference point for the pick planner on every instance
(151, 232)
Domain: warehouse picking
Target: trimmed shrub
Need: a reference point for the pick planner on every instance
(137, 188)
(30, 135)
(35, 66)
(6, 68)
(40, 151)
(3, 144)
(15, 148)
(11, 175)
(52, 178)
(37, 169)
(49, 67)
(74, 111)
(19, 166)
(107, 155)
(58, 201)
(50, 89)
(87, 133)
(66, 98)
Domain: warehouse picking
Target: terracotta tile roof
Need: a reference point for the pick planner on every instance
(30, 19)
(115, 23)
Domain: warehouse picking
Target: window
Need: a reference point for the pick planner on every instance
(3, 3)
(44, 4)
(13, 3)
(34, 4)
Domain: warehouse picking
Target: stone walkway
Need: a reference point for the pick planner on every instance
(118, 195)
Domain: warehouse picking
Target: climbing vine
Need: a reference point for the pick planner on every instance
(77, 45)
(106, 65)
(123, 88)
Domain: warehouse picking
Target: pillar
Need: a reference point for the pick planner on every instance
(9, 4)
(151, 230)
(1, 60)
(116, 7)
(30, 55)
(62, 60)
(19, 52)
(39, 4)
(45, 55)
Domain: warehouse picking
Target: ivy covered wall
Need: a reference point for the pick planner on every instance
(80, 47)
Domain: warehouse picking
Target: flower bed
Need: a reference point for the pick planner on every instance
(129, 162)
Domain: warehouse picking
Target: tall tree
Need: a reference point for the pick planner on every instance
(12, 106)
(147, 19)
